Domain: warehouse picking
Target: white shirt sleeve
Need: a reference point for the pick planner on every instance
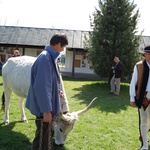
(133, 83)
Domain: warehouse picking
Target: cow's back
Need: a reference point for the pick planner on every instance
(16, 74)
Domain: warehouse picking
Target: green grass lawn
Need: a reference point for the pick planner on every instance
(110, 124)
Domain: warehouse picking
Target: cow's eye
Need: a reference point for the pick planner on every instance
(60, 130)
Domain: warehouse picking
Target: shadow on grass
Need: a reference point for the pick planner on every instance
(11, 139)
(59, 147)
(105, 102)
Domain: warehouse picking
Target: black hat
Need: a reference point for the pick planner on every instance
(147, 49)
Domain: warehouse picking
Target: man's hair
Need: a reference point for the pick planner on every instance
(59, 38)
(116, 57)
(16, 51)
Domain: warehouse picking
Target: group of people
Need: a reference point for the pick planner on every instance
(45, 92)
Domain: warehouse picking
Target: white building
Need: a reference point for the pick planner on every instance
(31, 41)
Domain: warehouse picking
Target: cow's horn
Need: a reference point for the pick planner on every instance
(63, 116)
(87, 108)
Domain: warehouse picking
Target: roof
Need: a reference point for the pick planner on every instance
(29, 36)
(39, 37)
(145, 40)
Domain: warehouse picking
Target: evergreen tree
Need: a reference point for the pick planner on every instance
(114, 34)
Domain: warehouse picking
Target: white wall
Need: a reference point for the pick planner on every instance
(81, 69)
(31, 52)
(68, 61)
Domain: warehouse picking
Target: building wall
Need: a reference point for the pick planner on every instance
(31, 52)
(69, 61)
(7, 52)
(81, 62)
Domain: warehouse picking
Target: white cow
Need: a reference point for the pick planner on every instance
(16, 77)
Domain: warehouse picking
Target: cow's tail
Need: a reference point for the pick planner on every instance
(3, 102)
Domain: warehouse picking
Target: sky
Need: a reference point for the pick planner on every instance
(60, 14)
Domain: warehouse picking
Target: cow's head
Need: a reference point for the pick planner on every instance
(65, 124)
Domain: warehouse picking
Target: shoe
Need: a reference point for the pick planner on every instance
(115, 94)
(111, 93)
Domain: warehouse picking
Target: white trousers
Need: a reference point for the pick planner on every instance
(144, 125)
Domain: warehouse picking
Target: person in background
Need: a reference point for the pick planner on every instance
(1, 65)
(140, 95)
(16, 53)
(44, 94)
(116, 78)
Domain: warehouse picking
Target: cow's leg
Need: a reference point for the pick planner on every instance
(7, 94)
(21, 106)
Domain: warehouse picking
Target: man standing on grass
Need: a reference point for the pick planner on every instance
(139, 95)
(43, 98)
(116, 78)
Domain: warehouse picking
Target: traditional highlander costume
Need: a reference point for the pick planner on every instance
(139, 87)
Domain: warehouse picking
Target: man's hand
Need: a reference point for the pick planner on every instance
(47, 117)
(133, 104)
